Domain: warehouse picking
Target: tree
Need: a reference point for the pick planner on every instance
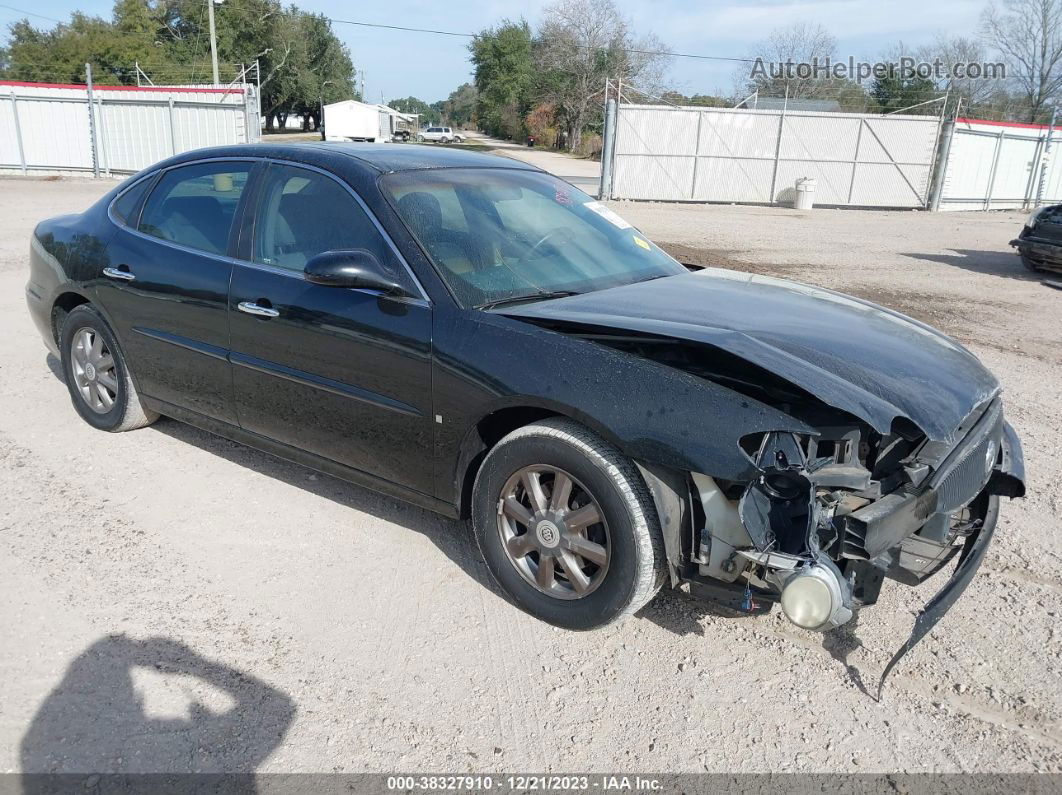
(459, 109)
(427, 113)
(580, 45)
(502, 60)
(699, 100)
(1028, 33)
(896, 90)
(302, 62)
(327, 73)
(799, 44)
(970, 92)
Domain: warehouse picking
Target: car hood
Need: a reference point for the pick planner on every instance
(851, 354)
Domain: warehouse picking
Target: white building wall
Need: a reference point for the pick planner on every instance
(997, 166)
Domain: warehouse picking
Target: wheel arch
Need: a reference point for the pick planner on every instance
(63, 305)
(494, 425)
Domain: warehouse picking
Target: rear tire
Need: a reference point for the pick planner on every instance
(97, 375)
(598, 572)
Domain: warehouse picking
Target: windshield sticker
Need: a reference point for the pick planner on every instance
(562, 197)
(607, 214)
(643, 243)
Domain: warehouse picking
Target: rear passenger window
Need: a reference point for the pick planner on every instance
(195, 205)
(125, 205)
(303, 213)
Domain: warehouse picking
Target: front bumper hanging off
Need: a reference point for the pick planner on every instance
(1008, 479)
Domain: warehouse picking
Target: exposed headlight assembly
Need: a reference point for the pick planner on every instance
(815, 598)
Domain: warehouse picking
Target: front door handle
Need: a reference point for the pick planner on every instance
(118, 273)
(251, 308)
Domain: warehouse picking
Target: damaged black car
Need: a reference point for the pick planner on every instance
(1040, 243)
(475, 336)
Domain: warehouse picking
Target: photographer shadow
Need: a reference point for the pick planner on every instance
(153, 706)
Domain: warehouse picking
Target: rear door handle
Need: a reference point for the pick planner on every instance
(118, 273)
(251, 308)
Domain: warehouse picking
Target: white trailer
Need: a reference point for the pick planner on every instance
(351, 120)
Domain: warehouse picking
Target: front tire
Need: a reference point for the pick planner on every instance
(566, 526)
(97, 375)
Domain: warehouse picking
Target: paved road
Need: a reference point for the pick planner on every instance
(584, 174)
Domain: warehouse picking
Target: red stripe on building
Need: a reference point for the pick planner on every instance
(157, 89)
(1022, 125)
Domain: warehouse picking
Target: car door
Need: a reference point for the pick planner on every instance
(167, 289)
(342, 373)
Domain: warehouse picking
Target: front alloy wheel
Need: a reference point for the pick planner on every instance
(566, 525)
(554, 532)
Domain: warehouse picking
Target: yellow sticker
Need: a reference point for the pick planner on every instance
(644, 244)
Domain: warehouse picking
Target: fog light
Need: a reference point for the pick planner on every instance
(808, 600)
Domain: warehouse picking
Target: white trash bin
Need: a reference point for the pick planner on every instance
(805, 193)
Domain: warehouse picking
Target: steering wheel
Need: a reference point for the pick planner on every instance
(543, 240)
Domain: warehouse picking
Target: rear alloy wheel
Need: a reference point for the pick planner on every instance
(96, 374)
(566, 525)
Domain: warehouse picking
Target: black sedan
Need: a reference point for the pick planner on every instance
(473, 335)
(1040, 241)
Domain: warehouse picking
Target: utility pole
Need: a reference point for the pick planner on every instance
(213, 41)
(1045, 159)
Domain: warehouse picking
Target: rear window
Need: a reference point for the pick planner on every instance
(195, 205)
(128, 202)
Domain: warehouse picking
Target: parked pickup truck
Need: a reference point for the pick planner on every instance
(1040, 241)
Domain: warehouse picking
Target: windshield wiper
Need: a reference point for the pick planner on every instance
(544, 295)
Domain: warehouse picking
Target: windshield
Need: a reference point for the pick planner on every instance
(500, 235)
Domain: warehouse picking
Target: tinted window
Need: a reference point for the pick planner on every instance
(303, 213)
(195, 205)
(126, 203)
(498, 234)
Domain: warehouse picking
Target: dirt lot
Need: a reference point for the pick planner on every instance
(173, 601)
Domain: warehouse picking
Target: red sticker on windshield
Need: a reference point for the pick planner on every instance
(562, 197)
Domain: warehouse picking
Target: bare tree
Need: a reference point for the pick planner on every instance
(799, 44)
(1028, 33)
(580, 44)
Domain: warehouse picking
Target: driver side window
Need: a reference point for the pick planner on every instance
(304, 213)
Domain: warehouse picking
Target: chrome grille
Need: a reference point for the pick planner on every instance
(962, 479)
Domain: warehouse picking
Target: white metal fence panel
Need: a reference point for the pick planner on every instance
(997, 166)
(739, 155)
(46, 127)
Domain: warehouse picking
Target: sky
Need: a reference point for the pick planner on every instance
(400, 64)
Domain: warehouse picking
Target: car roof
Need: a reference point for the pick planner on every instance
(384, 158)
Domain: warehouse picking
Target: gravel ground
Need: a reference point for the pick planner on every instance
(174, 601)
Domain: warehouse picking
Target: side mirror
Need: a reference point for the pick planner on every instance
(356, 268)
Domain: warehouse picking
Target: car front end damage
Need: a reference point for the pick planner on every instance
(1040, 241)
(830, 517)
(892, 465)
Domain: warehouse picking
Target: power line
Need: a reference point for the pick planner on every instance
(477, 35)
(30, 13)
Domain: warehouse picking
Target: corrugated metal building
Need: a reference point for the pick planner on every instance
(997, 166)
